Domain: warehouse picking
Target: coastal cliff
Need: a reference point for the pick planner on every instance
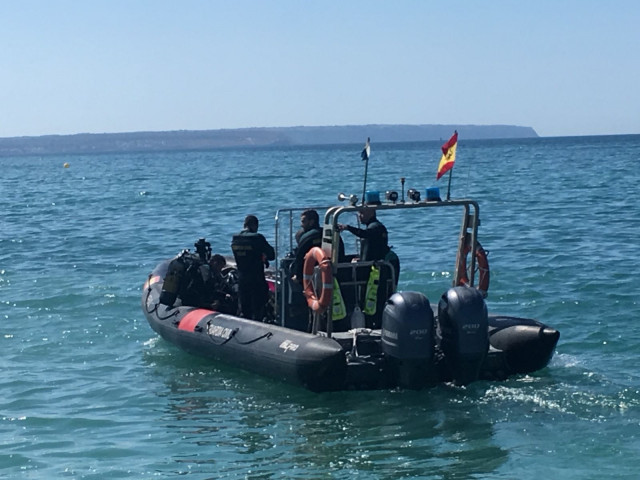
(88, 143)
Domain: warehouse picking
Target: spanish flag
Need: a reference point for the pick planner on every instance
(448, 155)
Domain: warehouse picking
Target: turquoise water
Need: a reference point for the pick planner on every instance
(89, 390)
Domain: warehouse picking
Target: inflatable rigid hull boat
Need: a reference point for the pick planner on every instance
(407, 343)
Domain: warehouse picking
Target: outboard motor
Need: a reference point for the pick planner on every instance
(407, 338)
(463, 333)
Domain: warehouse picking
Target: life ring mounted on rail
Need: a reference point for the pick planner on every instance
(316, 256)
(482, 266)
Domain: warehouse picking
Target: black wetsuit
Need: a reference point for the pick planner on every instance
(374, 245)
(309, 239)
(249, 248)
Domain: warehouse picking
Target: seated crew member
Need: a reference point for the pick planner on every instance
(217, 263)
(223, 294)
(252, 252)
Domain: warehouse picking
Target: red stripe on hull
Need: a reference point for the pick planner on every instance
(191, 319)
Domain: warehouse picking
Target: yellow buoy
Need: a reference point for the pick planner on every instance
(66, 165)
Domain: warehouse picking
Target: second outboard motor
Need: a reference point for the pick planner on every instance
(407, 337)
(463, 333)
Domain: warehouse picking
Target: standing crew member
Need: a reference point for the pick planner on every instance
(374, 245)
(252, 252)
(375, 239)
(311, 237)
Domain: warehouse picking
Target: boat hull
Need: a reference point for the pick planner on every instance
(315, 362)
(517, 346)
(362, 359)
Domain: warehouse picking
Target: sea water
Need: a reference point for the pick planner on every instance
(89, 391)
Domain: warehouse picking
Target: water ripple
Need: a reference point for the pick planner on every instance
(89, 391)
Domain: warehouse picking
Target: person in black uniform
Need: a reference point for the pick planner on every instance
(375, 239)
(374, 245)
(311, 237)
(224, 298)
(252, 252)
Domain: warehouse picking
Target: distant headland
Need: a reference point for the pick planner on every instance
(90, 143)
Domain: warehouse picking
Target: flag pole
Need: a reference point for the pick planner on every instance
(448, 159)
(365, 157)
(364, 186)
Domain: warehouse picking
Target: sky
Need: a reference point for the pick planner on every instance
(563, 67)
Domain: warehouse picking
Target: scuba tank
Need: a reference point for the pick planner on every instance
(200, 286)
(173, 280)
(188, 277)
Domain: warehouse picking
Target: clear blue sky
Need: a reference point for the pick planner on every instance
(563, 67)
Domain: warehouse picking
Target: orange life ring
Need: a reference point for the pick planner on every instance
(482, 267)
(316, 256)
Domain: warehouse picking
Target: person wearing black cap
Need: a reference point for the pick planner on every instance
(252, 252)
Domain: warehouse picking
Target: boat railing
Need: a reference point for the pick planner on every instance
(352, 280)
(468, 229)
(286, 226)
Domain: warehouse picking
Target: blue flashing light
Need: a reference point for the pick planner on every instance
(372, 197)
(433, 194)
